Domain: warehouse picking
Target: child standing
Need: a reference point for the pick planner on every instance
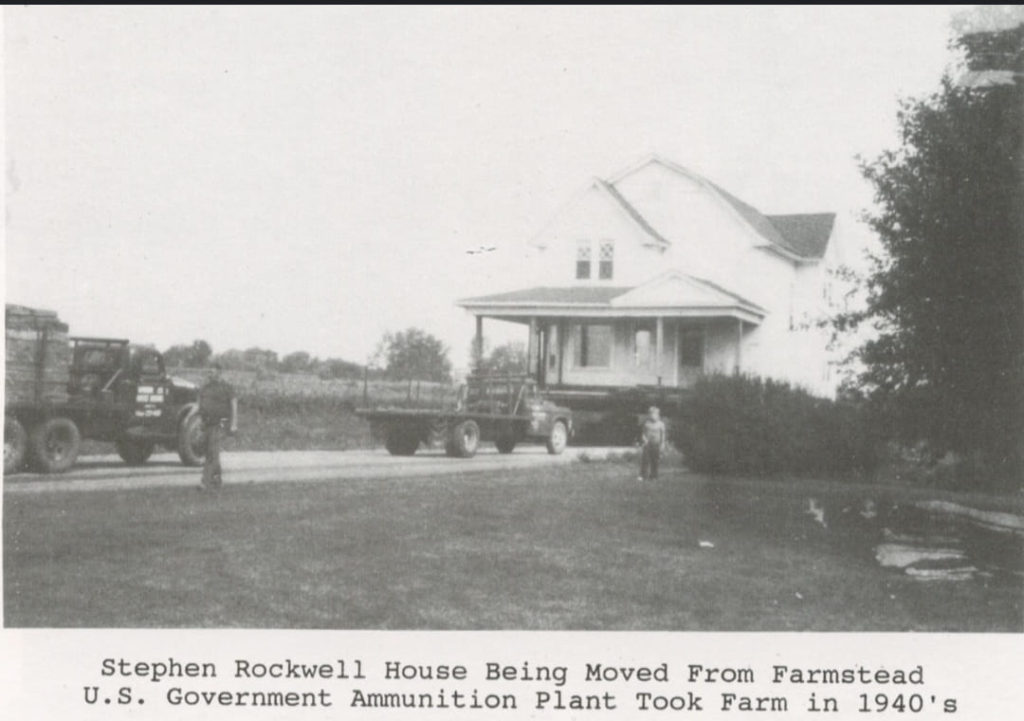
(652, 440)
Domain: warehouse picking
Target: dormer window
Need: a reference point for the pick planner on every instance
(606, 260)
(583, 253)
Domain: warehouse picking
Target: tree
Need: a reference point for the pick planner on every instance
(199, 353)
(260, 358)
(945, 296)
(338, 368)
(297, 362)
(413, 353)
(506, 358)
(176, 356)
(188, 356)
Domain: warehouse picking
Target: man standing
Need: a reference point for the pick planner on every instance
(218, 407)
(652, 440)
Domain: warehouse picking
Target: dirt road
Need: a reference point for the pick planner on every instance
(95, 473)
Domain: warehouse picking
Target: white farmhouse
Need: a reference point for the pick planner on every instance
(657, 275)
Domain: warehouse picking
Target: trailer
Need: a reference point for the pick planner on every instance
(59, 390)
(506, 409)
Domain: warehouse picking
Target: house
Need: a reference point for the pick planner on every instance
(656, 276)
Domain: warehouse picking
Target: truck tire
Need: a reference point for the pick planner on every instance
(190, 441)
(15, 445)
(133, 451)
(54, 445)
(402, 441)
(466, 439)
(558, 439)
(505, 443)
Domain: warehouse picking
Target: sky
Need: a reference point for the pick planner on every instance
(309, 178)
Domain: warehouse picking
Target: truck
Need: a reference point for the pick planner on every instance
(59, 390)
(505, 409)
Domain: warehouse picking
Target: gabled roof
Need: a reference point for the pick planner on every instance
(578, 295)
(803, 237)
(807, 233)
(672, 291)
(631, 211)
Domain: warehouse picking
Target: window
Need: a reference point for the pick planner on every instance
(592, 345)
(606, 259)
(642, 346)
(691, 348)
(583, 260)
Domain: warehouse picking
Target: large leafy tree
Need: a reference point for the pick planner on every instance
(507, 358)
(946, 295)
(413, 354)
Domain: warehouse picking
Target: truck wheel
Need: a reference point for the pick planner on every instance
(558, 439)
(15, 445)
(190, 441)
(54, 444)
(466, 439)
(134, 452)
(402, 441)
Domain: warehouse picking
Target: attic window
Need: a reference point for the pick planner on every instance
(583, 254)
(606, 259)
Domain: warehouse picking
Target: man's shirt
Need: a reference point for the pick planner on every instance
(215, 400)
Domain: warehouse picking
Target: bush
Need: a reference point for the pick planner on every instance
(749, 425)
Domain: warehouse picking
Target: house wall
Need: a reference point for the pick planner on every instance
(707, 240)
(719, 354)
(592, 216)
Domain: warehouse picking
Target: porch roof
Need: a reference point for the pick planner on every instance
(671, 295)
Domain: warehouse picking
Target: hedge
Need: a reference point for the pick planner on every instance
(756, 426)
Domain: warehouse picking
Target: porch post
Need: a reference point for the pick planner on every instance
(531, 347)
(659, 345)
(678, 332)
(739, 346)
(478, 342)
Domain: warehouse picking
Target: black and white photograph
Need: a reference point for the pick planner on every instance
(640, 319)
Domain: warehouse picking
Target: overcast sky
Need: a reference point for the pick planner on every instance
(307, 178)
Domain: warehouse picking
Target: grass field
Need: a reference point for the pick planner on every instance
(580, 546)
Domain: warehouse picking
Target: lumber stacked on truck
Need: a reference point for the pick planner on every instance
(38, 357)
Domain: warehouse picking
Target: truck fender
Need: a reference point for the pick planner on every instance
(186, 410)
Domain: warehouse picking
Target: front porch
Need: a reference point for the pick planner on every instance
(664, 334)
(599, 353)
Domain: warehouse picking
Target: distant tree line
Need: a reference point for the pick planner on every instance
(200, 355)
(408, 354)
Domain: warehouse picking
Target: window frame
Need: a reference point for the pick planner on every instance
(700, 334)
(606, 267)
(582, 346)
(649, 328)
(584, 259)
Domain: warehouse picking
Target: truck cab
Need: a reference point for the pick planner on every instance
(123, 394)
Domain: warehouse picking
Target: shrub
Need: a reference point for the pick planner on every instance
(749, 425)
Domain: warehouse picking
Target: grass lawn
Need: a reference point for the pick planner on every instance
(581, 546)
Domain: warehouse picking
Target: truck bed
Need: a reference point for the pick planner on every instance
(390, 414)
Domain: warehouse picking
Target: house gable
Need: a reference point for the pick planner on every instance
(675, 289)
(597, 215)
